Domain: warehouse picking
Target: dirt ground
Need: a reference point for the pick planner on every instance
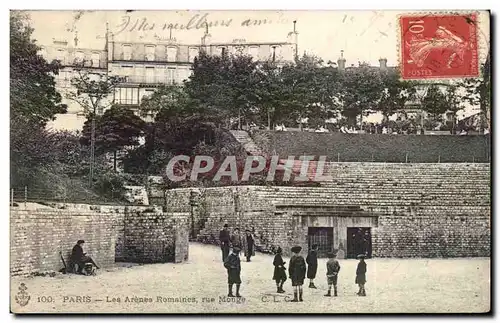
(199, 286)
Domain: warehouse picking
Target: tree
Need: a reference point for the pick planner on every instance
(330, 91)
(396, 93)
(90, 91)
(478, 90)
(116, 129)
(435, 102)
(224, 87)
(33, 96)
(300, 84)
(33, 102)
(453, 101)
(268, 93)
(243, 78)
(208, 87)
(168, 102)
(362, 88)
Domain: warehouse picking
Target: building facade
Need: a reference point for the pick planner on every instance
(72, 59)
(144, 66)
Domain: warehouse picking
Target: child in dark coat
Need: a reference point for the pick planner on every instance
(279, 271)
(312, 265)
(332, 273)
(361, 275)
(233, 267)
(297, 273)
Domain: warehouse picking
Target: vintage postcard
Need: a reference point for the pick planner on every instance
(249, 162)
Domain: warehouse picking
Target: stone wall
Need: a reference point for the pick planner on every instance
(415, 210)
(154, 237)
(37, 237)
(112, 233)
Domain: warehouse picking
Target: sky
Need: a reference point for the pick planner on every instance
(364, 36)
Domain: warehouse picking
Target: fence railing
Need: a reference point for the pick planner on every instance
(35, 195)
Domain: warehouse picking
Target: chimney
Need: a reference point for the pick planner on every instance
(383, 63)
(206, 39)
(295, 39)
(341, 61)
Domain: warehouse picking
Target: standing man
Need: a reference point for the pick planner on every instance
(312, 265)
(224, 242)
(233, 267)
(332, 272)
(361, 275)
(248, 245)
(236, 240)
(297, 272)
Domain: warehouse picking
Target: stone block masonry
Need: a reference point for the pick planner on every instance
(37, 237)
(112, 233)
(154, 237)
(412, 210)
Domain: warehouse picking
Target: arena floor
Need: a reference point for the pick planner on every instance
(199, 286)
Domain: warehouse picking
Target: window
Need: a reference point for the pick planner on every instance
(193, 52)
(61, 55)
(254, 51)
(171, 75)
(63, 79)
(221, 50)
(277, 51)
(79, 57)
(150, 74)
(127, 52)
(127, 71)
(127, 95)
(184, 74)
(171, 54)
(150, 53)
(239, 50)
(96, 59)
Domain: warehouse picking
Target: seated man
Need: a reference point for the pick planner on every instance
(80, 258)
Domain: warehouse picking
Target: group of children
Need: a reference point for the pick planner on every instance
(297, 271)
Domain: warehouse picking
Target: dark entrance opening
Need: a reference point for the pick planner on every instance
(323, 237)
(359, 241)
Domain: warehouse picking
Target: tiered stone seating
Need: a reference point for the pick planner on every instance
(393, 184)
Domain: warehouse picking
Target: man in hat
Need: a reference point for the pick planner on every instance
(361, 275)
(248, 245)
(297, 273)
(79, 257)
(233, 267)
(312, 264)
(224, 242)
(332, 272)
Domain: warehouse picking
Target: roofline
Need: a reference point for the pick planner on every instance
(73, 48)
(200, 45)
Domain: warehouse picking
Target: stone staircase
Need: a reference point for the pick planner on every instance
(247, 142)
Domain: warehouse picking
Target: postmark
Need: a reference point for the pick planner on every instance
(439, 46)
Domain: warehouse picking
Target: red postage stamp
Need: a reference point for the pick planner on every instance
(439, 46)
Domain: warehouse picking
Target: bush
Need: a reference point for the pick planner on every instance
(110, 185)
